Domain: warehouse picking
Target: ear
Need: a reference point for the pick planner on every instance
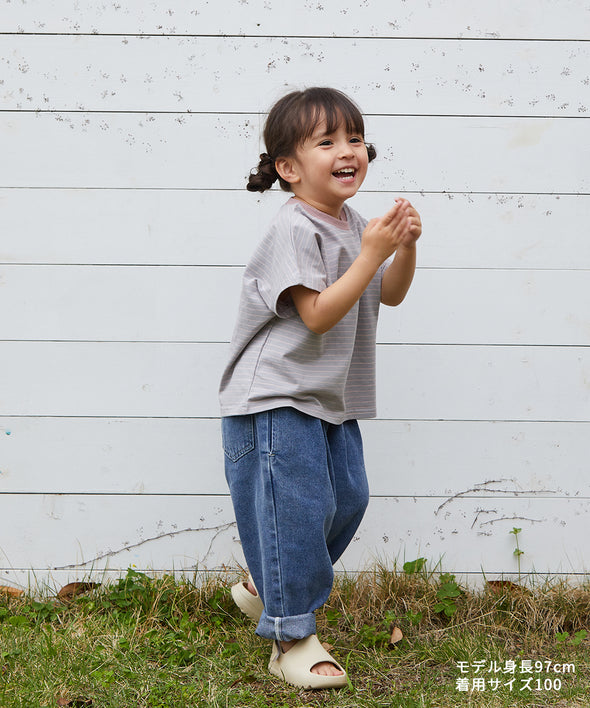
(287, 170)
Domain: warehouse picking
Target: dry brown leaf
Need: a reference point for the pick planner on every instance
(75, 702)
(327, 647)
(500, 586)
(396, 635)
(72, 589)
(11, 592)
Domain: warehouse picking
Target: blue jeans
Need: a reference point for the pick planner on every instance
(299, 491)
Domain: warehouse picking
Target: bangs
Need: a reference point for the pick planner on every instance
(329, 105)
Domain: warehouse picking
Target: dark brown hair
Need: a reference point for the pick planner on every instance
(293, 119)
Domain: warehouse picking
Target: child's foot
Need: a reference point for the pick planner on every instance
(306, 664)
(324, 668)
(247, 599)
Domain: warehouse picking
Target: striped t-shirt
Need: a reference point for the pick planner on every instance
(275, 360)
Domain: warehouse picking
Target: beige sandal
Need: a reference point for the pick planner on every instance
(250, 605)
(294, 666)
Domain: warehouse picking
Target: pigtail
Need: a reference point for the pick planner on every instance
(265, 176)
(371, 151)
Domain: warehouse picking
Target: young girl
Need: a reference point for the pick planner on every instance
(301, 372)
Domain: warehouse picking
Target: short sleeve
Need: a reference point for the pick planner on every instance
(289, 255)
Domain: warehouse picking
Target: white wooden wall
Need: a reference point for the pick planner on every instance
(126, 132)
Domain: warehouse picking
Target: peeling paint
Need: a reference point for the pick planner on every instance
(170, 534)
(512, 519)
(483, 487)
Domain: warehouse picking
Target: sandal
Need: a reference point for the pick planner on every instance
(250, 605)
(294, 666)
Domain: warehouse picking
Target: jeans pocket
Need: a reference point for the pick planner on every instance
(237, 434)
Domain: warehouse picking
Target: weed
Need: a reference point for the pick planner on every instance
(369, 636)
(517, 551)
(414, 566)
(45, 611)
(414, 618)
(447, 593)
(575, 640)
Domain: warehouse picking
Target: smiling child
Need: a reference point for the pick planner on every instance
(301, 372)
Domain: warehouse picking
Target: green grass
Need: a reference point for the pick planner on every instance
(160, 642)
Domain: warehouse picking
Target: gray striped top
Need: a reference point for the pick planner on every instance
(275, 360)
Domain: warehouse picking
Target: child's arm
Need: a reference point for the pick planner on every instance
(320, 311)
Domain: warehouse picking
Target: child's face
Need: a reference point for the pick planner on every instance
(327, 169)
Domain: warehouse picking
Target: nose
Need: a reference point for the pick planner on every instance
(344, 149)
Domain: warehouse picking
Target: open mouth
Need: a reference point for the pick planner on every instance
(345, 175)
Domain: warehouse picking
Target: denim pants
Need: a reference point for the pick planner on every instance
(299, 491)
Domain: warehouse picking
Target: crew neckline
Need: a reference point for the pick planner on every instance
(328, 218)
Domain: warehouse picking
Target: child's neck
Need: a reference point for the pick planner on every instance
(335, 211)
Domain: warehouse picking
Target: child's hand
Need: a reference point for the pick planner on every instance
(400, 226)
(414, 230)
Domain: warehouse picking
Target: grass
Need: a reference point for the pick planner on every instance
(160, 642)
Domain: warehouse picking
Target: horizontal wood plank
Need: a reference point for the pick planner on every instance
(181, 380)
(171, 151)
(421, 18)
(476, 458)
(241, 74)
(89, 534)
(459, 383)
(183, 227)
(42, 583)
(491, 307)
(124, 303)
(177, 456)
(474, 534)
(111, 456)
(160, 303)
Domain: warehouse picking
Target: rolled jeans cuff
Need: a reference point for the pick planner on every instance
(285, 629)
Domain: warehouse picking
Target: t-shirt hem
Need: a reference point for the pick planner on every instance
(315, 411)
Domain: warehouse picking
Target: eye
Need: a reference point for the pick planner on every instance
(356, 140)
(326, 142)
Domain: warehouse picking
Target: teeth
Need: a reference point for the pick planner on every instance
(345, 171)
